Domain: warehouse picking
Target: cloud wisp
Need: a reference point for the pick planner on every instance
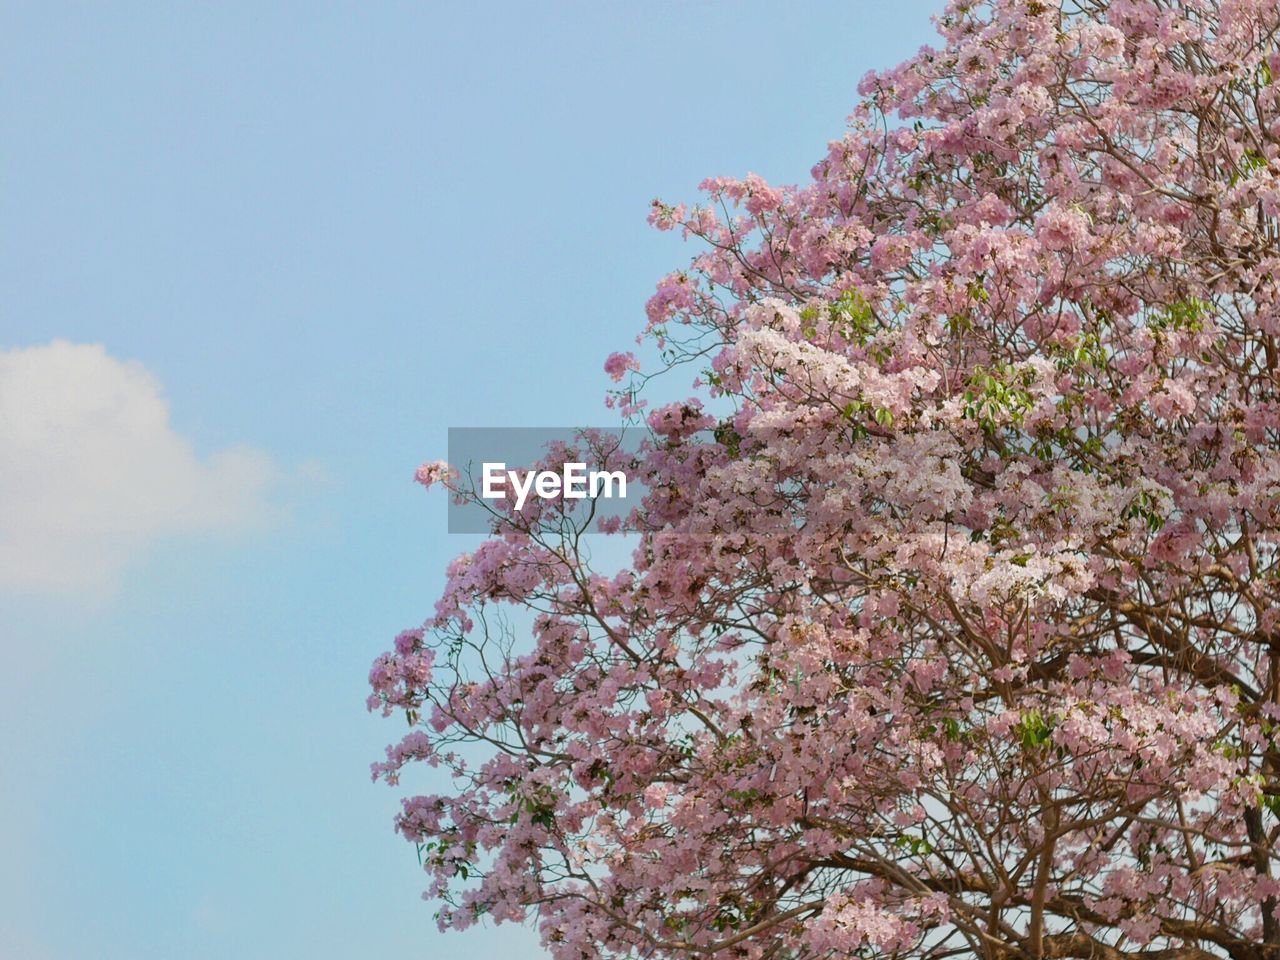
(92, 473)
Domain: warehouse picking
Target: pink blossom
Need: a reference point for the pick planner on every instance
(618, 364)
(432, 472)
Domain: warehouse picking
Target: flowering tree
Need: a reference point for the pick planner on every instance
(952, 622)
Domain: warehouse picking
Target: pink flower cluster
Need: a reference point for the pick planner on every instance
(431, 473)
(618, 364)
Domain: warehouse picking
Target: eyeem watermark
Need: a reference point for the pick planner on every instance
(573, 482)
(578, 476)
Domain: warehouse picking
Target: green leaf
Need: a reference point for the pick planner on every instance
(1034, 730)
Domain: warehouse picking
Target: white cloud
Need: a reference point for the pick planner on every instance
(92, 472)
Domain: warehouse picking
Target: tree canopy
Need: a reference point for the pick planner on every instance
(951, 627)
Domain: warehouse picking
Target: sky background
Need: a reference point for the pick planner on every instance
(256, 258)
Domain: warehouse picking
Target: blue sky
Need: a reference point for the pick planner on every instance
(285, 247)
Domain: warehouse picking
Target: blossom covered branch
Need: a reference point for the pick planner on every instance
(952, 626)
